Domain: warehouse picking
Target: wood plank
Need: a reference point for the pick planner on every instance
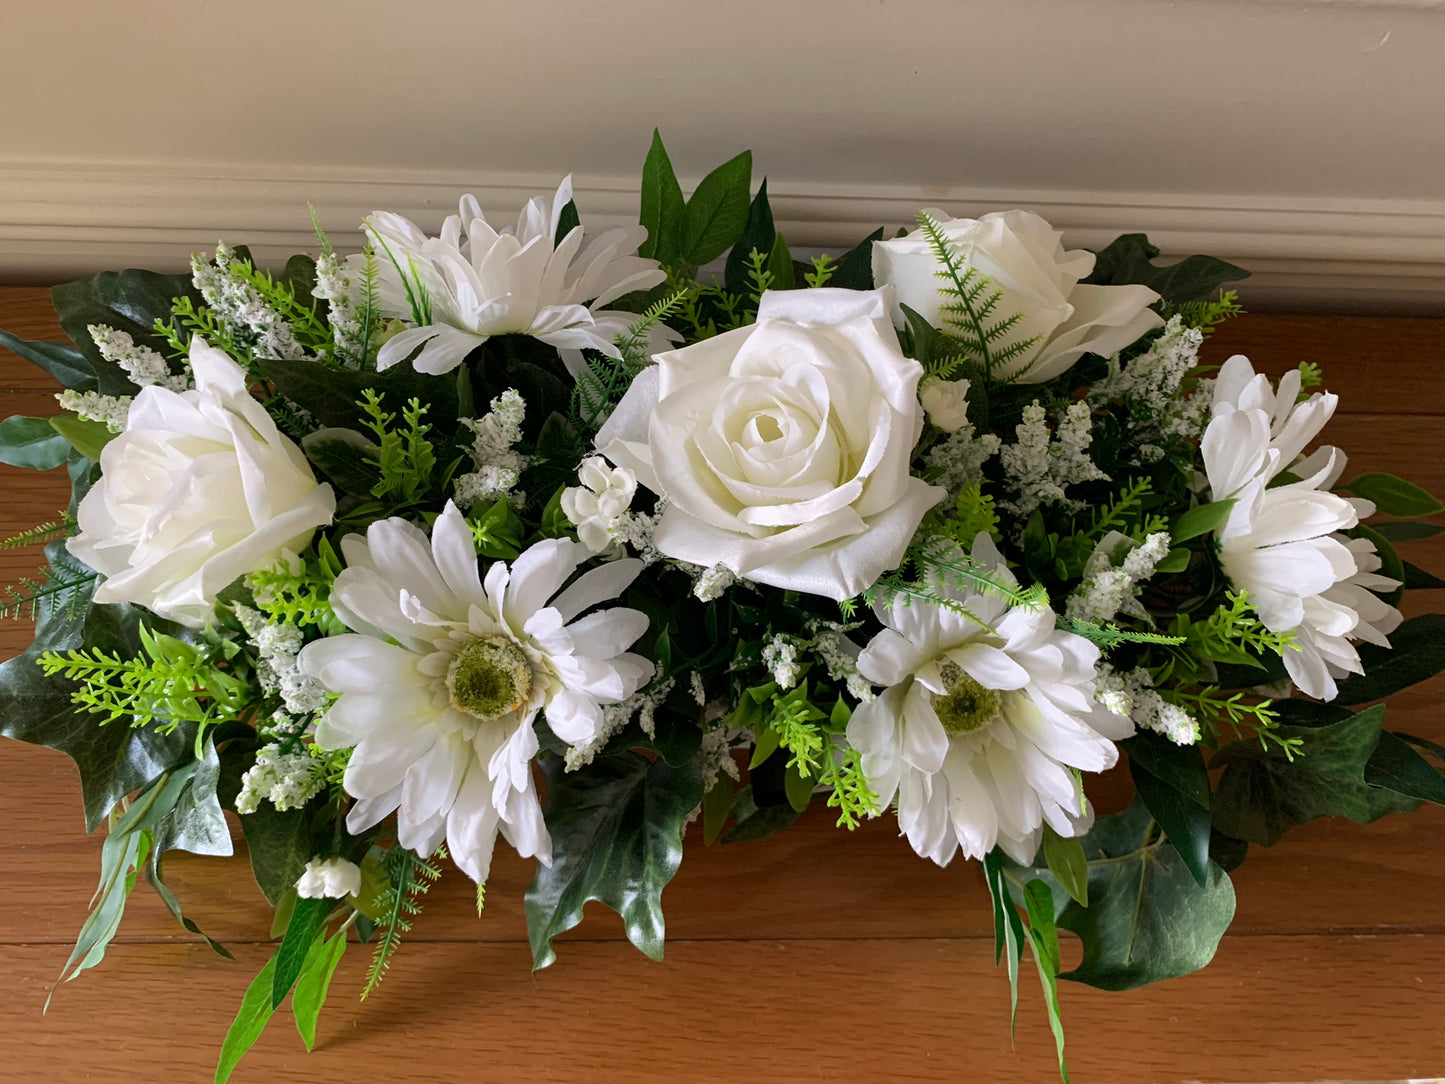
(1270, 1008)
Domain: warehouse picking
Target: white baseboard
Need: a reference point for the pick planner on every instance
(60, 220)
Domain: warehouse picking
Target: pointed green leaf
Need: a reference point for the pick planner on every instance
(1415, 578)
(314, 982)
(1397, 767)
(715, 807)
(662, 206)
(129, 301)
(1065, 859)
(1394, 496)
(752, 821)
(86, 437)
(1405, 531)
(307, 918)
(61, 360)
(567, 221)
(780, 263)
(798, 788)
(758, 234)
(855, 270)
(1416, 653)
(616, 828)
(1199, 521)
(717, 210)
(256, 1010)
(31, 443)
(1173, 782)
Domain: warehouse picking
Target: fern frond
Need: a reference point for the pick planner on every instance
(1111, 635)
(944, 561)
(59, 586)
(605, 381)
(1126, 504)
(408, 878)
(45, 532)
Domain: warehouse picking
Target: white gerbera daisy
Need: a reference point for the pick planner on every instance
(444, 674)
(1281, 543)
(979, 733)
(473, 282)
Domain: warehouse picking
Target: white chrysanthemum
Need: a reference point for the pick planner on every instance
(1281, 543)
(979, 732)
(476, 282)
(445, 673)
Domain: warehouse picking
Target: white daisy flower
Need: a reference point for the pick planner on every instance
(1281, 543)
(444, 674)
(476, 282)
(979, 733)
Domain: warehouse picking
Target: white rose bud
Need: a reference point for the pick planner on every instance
(329, 878)
(946, 402)
(593, 507)
(1025, 258)
(783, 448)
(199, 490)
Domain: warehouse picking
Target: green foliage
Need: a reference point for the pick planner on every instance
(31, 443)
(168, 683)
(1111, 635)
(1065, 858)
(1128, 260)
(1125, 512)
(662, 206)
(308, 917)
(497, 531)
(969, 307)
(605, 381)
(1397, 766)
(313, 983)
(298, 596)
(973, 512)
(42, 533)
(1394, 496)
(939, 569)
(1416, 653)
(1232, 633)
(824, 268)
(1310, 376)
(406, 458)
(250, 1021)
(64, 585)
(717, 211)
(65, 363)
(1208, 313)
(130, 301)
(87, 437)
(408, 877)
(1201, 520)
(616, 828)
(1173, 783)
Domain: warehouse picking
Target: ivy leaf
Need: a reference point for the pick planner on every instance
(1416, 653)
(1173, 783)
(61, 360)
(1129, 259)
(717, 210)
(129, 301)
(1147, 919)
(31, 443)
(198, 824)
(1262, 794)
(616, 830)
(1396, 766)
(662, 206)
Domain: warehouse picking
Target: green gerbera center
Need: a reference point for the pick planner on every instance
(967, 706)
(490, 677)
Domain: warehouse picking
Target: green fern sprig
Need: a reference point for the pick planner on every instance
(408, 878)
(824, 268)
(969, 308)
(407, 458)
(45, 532)
(1126, 505)
(1111, 635)
(1215, 709)
(60, 585)
(944, 561)
(606, 380)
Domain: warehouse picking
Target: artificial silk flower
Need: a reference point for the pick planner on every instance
(474, 281)
(946, 403)
(595, 506)
(199, 490)
(1024, 257)
(329, 878)
(983, 724)
(783, 448)
(445, 671)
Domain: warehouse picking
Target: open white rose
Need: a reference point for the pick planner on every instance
(783, 448)
(1025, 258)
(200, 489)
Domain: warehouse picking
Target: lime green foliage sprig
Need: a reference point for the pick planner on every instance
(974, 512)
(969, 308)
(1214, 709)
(299, 594)
(1125, 513)
(168, 683)
(935, 568)
(1209, 313)
(601, 387)
(824, 268)
(407, 458)
(62, 527)
(1231, 632)
(408, 877)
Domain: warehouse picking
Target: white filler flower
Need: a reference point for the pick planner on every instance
(475, 281)
(329, 878)
(979, 732)
(1280, 543)
(199, 490)
(595, 506)
(445, 673)
(1024, 257)
(783, 447)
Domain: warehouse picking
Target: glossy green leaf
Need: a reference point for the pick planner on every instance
(1394, 496)
(616, 828)
(314, 982)
(780, 264)
(1199, 521)
(662, 206)
(752, 821)
(256, 1010)
(280, 844)
(759, 235)
(1065, 859)
(717, 210)
(129, 301)
(1416, 578)
(855, 269)
(1129, 259)
(798, 788)
(307, 919)
(61, 360)
(31, 443)
(567, 221)
(1407, 531)
(716, 804)
(1262, 793)
(332, 394)
(1416, 653)
(347, 458)
(86, 437)
(1397, 767)
(1173, 783)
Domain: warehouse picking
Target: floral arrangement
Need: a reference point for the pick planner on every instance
(551, 539)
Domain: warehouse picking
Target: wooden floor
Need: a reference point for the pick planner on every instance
(814, 955)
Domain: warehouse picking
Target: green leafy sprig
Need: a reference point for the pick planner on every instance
(408, 877)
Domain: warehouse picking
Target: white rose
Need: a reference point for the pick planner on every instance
(1025, 258)
(783, 448)
(329, 878)
(593, 507)
(200, 489)
(946, 402)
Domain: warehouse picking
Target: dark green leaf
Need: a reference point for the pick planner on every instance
(1405, 531)
(198, 824)
(1394, 496)
(280, 845)
(346, 457)
(752, 821)
(616, 828)
(855, 270)
(567, 221)
(1416, 653)
(332, 394)
(314, 982)
(1180, 766)
(1185, 823)
(1008, 929)
(758, 235)
(1066, 860)
(128, 301)
(256, 1010)
(662, 206)
(31, 443)
(798, 788)
(1129, 260)
(1044, 942)
(716, 804)
(86, 437)
(307, 919)
(1262, 794)
(717, 210)
(1226, 852)
(61, 360)
(1397, 767)
(1423, 743)
(1199, 521)
(780, 263)
(1147, 919)
(1416, 578)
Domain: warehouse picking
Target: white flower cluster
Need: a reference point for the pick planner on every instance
(643, 704)
(1111, 584)
(112, 411)
(499, 465)
(839, 656)
(142, 364)
(596, 506)
(715, 756)
(945, 402)
(1039, 468)
(780, 656)
(241, 309)
(286, 780)
(1149, 384)
(330, 879)
(1131, 693)
(712, 582)
(334, 286)
(278, 644)
(958, 461)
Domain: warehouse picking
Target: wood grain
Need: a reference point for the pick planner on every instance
(817, 954)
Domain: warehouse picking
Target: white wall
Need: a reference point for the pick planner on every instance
(1306, 139)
